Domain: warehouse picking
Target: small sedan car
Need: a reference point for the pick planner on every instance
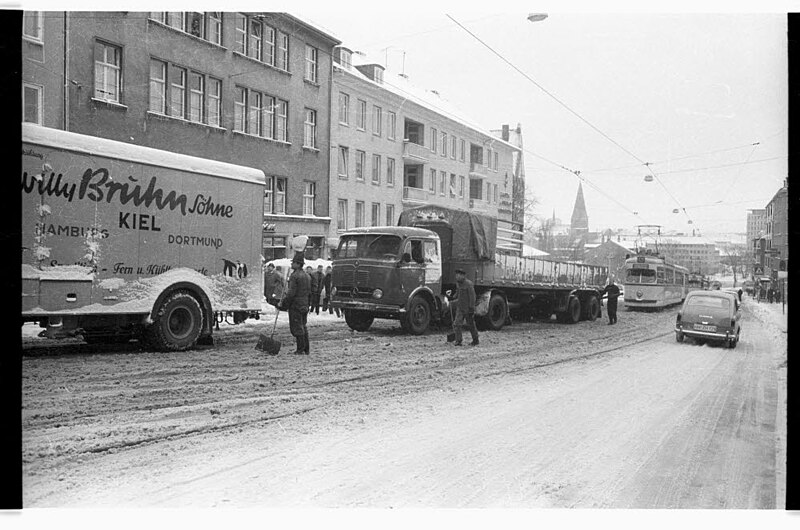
(710, 315)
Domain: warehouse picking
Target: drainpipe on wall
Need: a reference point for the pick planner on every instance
(66, 71)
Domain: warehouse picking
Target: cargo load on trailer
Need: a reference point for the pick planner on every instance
(123, 241)
(403, 273)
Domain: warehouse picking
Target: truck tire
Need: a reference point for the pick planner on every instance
(418, 318)
(573, 313)
(358, 320)
(593, 309)
(496, 314)
(177, 324)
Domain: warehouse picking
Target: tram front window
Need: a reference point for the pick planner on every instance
(640, 276)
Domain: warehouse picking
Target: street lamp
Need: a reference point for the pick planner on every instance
(537, 17)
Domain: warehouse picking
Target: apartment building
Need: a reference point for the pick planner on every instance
(698, 254)
(43, 60)
(776, 233)
(245, 88)
(395, 146)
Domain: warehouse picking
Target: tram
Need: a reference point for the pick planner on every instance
(653, 282)
(696, 282)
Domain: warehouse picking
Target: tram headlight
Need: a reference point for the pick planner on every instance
(377, 294)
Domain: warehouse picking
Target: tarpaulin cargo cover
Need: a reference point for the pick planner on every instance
(474, 236)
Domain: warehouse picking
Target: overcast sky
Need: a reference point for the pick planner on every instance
(686, 92)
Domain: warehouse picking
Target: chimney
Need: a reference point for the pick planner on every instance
(505, 133)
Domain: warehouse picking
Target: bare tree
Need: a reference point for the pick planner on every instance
(735, 256)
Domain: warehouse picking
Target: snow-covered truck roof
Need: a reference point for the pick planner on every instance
(92, 145)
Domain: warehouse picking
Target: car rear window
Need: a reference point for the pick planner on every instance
(709, 301)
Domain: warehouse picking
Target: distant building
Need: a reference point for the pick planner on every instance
(610, 253)
(776, 236)
(579, 223)
(698, 254)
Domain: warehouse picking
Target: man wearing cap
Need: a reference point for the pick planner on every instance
(465, 307)
(296, 301)
(612, 293)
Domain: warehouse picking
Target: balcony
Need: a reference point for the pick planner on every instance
(415, 195)
(414, 153)
(476, 169)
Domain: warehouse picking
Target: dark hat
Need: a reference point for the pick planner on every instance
(298, 258)
(460, 271)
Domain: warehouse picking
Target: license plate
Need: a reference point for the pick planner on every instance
(703, 327)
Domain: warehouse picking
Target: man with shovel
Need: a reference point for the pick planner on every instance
(296, 301)
(464, 300)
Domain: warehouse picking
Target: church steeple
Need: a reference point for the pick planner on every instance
(579, 225)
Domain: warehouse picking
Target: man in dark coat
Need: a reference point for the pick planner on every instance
(326, 284)
(464, 301)
(612, 291)
(317, 280)
(296, 302)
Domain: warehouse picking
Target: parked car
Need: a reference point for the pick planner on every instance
(710, 315)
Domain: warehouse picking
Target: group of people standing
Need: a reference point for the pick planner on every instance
(320, 289)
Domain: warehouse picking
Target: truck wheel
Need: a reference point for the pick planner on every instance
(178, 322)
(573, 313)
(418, 317)
(593, 309)
(358, 320)
(496, 315)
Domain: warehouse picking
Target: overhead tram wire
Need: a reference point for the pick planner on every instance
(584, 120)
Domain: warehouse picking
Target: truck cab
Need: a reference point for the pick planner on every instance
(387, 272)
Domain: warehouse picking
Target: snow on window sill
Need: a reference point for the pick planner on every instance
(167, 117)
(112, 104)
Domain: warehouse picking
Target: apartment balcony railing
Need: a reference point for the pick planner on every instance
(414, 152)
(415, 195)
(476, 169)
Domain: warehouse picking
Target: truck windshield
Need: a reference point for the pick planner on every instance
(375, 246)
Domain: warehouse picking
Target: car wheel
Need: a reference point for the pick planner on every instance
(679, 336)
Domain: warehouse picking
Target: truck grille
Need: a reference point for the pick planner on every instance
(349, 277)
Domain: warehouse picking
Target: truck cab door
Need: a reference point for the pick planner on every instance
(412, 266)
(433, 265)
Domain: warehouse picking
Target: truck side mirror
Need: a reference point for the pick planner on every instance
(406, 257)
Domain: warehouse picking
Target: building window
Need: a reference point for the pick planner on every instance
(391, 127)
(241, 33)
(107, 72)
(269, 45)
(344, 108)
(453, 148)
(309, 198)
(32, 25)
(442, 182)
(280, 195)
(311, 63)
(444, 144)
(196, 97)
(453, 189)
(377, 120)
(214, 101)
(177, 87)
(32, 103)
(361, 159)
(359, 214)
(376, 169)
(310, 129)
(434, 139)
(273, 247)
(341, 215)
(488, 160)
(158, 86)
(463, 150)
(283, 51)
(239, 108)
(432, 181)
(281, 108)
(495, 193)
(461, 186)
(390, 215)
(376, 214)
(390, 171)
(488, 192)
(496, 165)
(195, 24)
(361, 114)
(254, 39)
(215, 27)
(344, 158)
(255, 112)
(174, 19)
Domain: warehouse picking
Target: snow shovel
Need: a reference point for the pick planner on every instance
(268, 344)
(451, 337)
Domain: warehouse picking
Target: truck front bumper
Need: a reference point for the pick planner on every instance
(379, 310)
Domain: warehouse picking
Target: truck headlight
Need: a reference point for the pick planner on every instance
(333, 291)
(377, 293)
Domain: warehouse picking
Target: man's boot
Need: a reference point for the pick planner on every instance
(300, 345)
(305, 344)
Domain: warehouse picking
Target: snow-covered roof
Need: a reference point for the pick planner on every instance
(94, 146)
(532, 252)
(400, 86)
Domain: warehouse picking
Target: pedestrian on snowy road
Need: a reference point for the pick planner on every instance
(465, 308)
(612, 292)
(296, 302)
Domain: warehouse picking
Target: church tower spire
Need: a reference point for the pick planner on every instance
(579, 225)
